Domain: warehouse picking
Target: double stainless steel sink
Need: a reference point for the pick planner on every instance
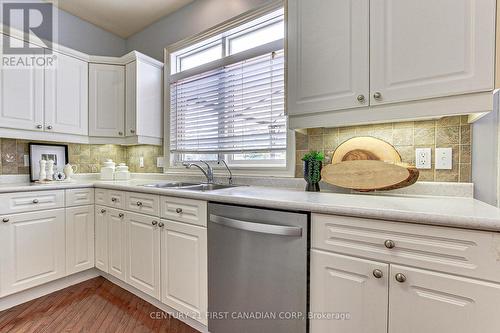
(202, 187)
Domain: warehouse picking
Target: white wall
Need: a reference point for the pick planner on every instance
(188, 21)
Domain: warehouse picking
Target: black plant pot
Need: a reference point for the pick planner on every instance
(312, 175)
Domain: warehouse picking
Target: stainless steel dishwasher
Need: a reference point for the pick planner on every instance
(257, 270)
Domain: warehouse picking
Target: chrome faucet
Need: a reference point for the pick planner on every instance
(228, 170)
(209, 173)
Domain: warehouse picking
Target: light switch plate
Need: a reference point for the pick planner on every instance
(423, 157)
(26, 159)
(141, 162)
(444, 157)
(160, 162)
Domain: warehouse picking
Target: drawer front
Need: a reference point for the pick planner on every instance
(458, 251)
(79, 197)
(143, 203)
(101, 196)
(19, 202)
(116, 199)
(184, 210)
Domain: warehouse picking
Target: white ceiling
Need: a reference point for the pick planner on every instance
(121, 17)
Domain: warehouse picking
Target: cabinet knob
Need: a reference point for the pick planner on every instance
(361, 98)
(103, 211)
(154, 223)
(113, 199)
(377, 96)
(49, 127)
(39, 126)
(5, 220)
(121, 215)
(120, 133)
(35, 201)
(132, 131)
(389, 244)
(400, 277)
(139, 204)
(161, 224)
(178, 210)
(378, 273)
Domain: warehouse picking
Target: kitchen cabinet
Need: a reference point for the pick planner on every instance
(66, 96)
(184, 268)
(328, 55)
(101, 239)
(106, 100)
(32, 249)
(143, 253)
(117, 255)
(349, 61)
(144, 99)
(354, 289)
(79, 238)
(21, 95)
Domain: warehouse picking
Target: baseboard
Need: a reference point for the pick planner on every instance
(174, 313)
(47, 288)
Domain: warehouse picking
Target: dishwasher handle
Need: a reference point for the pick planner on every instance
(271, 229)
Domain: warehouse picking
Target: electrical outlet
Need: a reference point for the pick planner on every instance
(423, 157)
(26, 159)
(444, 157)
(141, 162)
(160, 162)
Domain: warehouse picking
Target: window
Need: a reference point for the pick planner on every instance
(227, 96)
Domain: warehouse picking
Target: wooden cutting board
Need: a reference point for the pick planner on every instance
(369, 175)
(366, 148)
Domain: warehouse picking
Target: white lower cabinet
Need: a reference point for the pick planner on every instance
(101, 239)
(434, 302)
(79, 238)
(353, 289)
(117, 255)
(32, 250)
(143, 253)
(184, 268)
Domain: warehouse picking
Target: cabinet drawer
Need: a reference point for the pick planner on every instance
(101, 196)
(116, 199)
(458, 251)
(79, 197)
(184, 210)
(18, 202)
(143, 203)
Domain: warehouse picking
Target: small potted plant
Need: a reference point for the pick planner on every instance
(313, 162)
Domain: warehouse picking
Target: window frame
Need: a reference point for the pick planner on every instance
(247, 168)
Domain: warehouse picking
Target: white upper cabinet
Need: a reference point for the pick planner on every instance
(106, 100)
(21, 96)
(328, 55)
(430, 48)
(66, 96)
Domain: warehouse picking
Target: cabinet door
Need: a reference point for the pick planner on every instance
(143, 253)
(101, 239)
(32, 250)
(79, 238)
(116, 243)
(106, 100)
(131, 99)
(21, 95)
(184, 268)
(434, 302)
(430, 48)
(347, 287)
(66, 96)
(328, 55)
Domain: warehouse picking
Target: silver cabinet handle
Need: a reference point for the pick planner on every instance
(103, 211)
(5, 220)
(35, 201)
(178, 210)
(272, 229)
(39, 126)
(113, 199)
(139, 204)
(154, 223)
(161, 224)
(378, 273)
(49, 127)
(389, 244)
(377, 96)
(400, 277)
(121, 215)
(361, 98)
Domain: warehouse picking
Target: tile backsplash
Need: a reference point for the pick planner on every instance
(454, 132)
(88, 158)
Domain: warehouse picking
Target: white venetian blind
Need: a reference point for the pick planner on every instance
(233, 108)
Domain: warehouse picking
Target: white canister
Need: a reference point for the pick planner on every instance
(122, 172)
(108, 170)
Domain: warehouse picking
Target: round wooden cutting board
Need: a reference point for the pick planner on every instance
(366, 148)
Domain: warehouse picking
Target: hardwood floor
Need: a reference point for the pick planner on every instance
(96, 305)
